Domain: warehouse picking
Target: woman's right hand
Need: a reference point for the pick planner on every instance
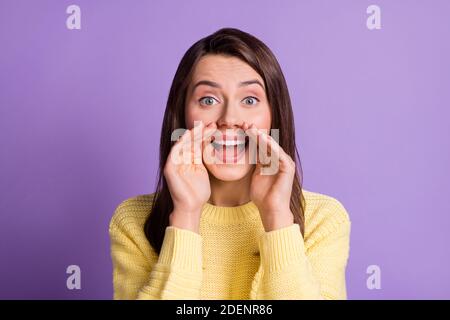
(187, 177)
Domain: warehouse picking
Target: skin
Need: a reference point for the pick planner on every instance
(226, 93)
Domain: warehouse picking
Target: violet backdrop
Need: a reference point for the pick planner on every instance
(81, 112)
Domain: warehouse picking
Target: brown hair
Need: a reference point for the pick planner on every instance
(236, 43)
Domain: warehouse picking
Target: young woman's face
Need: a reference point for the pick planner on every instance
(227, 91)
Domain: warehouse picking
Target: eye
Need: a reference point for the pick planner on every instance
(208, 101)
(251, 101)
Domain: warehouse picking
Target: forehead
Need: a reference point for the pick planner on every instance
(223, 68)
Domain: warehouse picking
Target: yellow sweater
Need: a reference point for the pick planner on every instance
(233, 257)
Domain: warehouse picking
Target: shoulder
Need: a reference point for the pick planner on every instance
(126, 231)
(131, 213)
(324, 214)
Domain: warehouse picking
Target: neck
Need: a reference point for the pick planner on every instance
(230, 193)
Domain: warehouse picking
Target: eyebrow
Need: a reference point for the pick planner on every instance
(216, 85)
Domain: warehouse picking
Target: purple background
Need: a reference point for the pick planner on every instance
(81, 112)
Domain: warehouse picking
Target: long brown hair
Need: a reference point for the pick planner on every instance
(236, 43)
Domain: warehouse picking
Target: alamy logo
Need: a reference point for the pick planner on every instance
(227, 145)
(374, 279)
(74, 20)
(74, 280)
(374, 20)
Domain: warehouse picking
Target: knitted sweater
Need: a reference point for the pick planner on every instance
(233, 257)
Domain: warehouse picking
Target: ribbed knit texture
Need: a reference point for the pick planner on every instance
(232, 257)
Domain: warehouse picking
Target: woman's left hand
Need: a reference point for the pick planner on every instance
(271, 184)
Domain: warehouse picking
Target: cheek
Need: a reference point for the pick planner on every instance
(260, 119)
(196, 114)
(193, 114)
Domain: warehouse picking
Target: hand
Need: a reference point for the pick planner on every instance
(187, 177)
(271, 186)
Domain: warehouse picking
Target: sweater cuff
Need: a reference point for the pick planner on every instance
(281, 248)
(181, 248)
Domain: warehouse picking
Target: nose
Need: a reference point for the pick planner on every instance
(230, 117)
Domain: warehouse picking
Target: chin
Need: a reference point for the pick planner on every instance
(229, 172)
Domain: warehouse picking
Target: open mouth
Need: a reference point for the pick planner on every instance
(231, 150)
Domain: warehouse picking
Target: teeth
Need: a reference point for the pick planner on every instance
(229, 143)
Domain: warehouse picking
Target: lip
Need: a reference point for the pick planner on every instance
(229, 146)
(230, 153)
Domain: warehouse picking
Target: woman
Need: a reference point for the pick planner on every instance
(217, 226)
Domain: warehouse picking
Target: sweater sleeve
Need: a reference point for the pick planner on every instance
(175, 274)
(289, 271)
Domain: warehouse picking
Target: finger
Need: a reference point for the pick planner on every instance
(196, 147)
(277, 154)
(209, 135)
(177, 149)
(273, 154)
(182, 139)
(198, 128)
(268, 151)
(262, 146)
(209, 131)
(275, 146)
(252, 133)
(269, 154)
(187, 148)
(268, 144)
